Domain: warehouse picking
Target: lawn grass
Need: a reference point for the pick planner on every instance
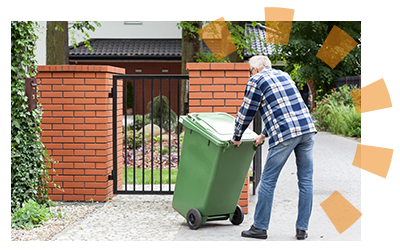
(147, 176)
(156, 176)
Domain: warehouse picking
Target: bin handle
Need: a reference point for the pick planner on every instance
(195, 116)
(254, 147)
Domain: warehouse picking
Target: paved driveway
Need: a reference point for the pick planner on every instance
(151, 217)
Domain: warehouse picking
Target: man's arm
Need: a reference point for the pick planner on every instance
(248, 109)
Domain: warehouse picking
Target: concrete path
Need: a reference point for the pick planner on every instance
(129, 217)
(151, 217)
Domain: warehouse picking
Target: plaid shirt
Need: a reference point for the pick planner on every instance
(274, 94)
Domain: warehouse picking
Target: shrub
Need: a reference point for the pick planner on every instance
(132, 144)
(129, 93)
(163, 114)
(139, 121)
(30, 215)
(344, 120)
(337, 114)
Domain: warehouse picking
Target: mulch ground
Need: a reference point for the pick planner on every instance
(151, 154)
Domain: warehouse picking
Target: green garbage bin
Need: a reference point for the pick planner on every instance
(211, 171)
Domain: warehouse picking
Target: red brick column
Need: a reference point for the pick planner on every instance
(77, 129)
(219, 87)
(245, 195)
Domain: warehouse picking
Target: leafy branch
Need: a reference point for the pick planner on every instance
(238, 34)
(84, 27)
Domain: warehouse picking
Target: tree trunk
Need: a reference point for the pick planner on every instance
(57, 51)
(190, 46)
(234, 57)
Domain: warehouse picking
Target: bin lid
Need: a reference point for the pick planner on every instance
(217, 126)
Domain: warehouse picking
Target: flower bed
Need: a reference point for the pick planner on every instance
(152, 155)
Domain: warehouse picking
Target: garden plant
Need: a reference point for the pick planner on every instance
(336, 113)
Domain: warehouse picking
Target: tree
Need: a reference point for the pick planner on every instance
(237, 29)
(191, 45)
(57, 50)
(306, 38)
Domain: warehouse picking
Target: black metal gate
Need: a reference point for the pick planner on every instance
(148, 164)
(149, 158)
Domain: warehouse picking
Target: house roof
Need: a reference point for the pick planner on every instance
(135, 49)
(128, 48)
(257, 44)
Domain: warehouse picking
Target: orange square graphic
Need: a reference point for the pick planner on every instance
(336, 46)
(278, 24)
(375, 160)
(218, 38)
(380, 94)
(340, 211)
(374, 96)
(356, 97)
(277, 32)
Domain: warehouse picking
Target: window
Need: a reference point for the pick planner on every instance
(133, 23)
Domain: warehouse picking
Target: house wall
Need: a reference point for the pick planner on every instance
(136, 29)
(114, 29)
(147, 68)
(219, 87)
(77, 129)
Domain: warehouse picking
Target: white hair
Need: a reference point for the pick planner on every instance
(259, 62)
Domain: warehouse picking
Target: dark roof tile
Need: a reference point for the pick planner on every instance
(152, 48)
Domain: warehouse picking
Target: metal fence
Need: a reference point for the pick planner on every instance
(149, 157)
(348, 80)
(150, 160)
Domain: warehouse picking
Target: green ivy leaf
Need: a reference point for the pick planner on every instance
(29, 158)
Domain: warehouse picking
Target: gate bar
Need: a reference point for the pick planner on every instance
(126, 135)
(115, 146)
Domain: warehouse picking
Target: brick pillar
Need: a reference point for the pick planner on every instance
(219, 87)
(77, 129)
(244, 196)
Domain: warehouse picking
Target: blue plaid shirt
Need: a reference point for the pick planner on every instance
(284, 113)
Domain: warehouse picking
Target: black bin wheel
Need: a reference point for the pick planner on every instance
(193, 219)
(238, 216)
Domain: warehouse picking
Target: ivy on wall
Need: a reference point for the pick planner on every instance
(29, 158)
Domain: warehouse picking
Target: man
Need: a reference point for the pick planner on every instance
(290, 127)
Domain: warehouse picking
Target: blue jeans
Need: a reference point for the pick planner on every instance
(276, 159)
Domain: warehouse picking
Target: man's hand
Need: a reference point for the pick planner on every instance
(258, 140)
(236, 143)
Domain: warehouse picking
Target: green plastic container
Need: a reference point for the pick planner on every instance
(211, 171)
